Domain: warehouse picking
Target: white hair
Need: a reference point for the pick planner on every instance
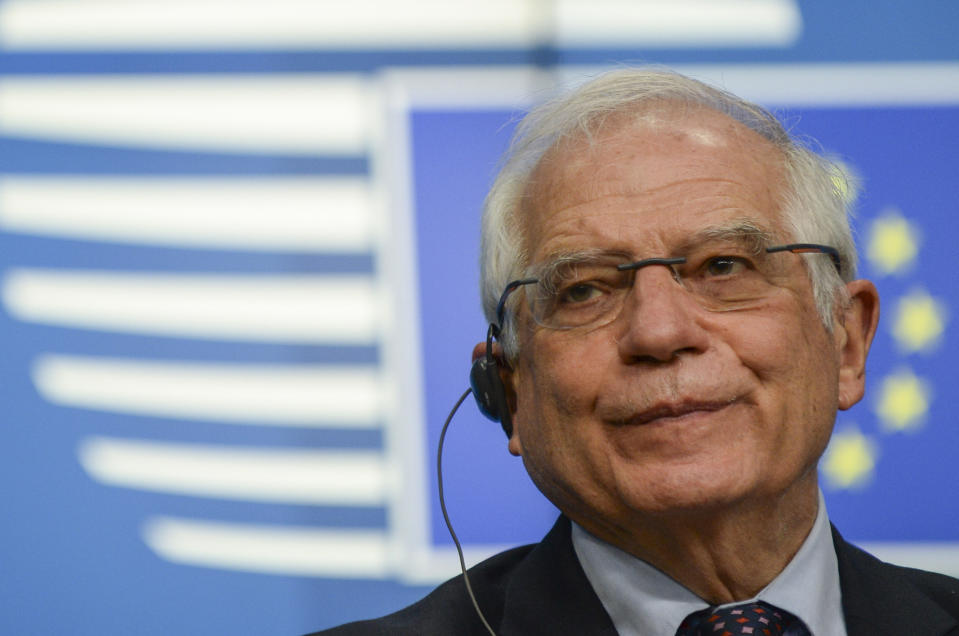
(816, 203)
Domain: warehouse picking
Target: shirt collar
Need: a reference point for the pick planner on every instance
(642, 601)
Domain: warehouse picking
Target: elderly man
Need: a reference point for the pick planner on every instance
(671, 284)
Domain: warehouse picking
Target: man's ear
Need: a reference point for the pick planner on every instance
(480, 350)
(857, 327)
(505, 373)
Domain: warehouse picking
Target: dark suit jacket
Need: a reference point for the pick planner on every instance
(541, 589)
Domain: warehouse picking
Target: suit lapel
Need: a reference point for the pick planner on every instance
(550, 594)
(877, 600)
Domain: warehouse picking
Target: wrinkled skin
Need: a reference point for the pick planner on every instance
(675, 430)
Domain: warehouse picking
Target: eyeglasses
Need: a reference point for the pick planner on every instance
(590, 289)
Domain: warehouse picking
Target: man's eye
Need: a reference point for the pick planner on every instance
(578, 293)
(725, 266)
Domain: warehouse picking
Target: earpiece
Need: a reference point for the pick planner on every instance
(488, 388)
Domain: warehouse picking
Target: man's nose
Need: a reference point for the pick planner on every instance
(660, 318)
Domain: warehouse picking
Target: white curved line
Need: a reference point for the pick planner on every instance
(253, 213)
(277, 114)
(868, 84)
(365, 24)
(296, 395)
(678, 23)
(296, 308)
(193, 24)
(297, 551)
(292, 476)
(934, 556)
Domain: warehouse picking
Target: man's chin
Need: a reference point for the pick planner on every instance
(696, 490)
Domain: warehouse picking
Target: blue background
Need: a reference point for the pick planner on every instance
(72, 557)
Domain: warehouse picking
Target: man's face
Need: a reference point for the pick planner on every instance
(672, 407)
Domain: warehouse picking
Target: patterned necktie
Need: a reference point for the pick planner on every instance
(754, 619)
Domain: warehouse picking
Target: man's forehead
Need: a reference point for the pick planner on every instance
(620, 136)
(663, 156)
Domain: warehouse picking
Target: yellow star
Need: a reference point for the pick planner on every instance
(919, 321)
(850, 460)
(893, 242)
(903, 401)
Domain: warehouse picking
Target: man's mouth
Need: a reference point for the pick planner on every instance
(672, 411)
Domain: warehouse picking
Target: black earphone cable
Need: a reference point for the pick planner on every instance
(446, 516)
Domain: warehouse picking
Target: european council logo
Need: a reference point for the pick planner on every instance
(887, 470)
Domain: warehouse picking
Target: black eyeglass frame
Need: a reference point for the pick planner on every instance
(795, 248)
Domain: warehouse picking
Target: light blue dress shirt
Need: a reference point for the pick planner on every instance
(642, 601)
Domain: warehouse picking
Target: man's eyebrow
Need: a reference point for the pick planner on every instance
(559, 258)
(744, 231)
(547, 270)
